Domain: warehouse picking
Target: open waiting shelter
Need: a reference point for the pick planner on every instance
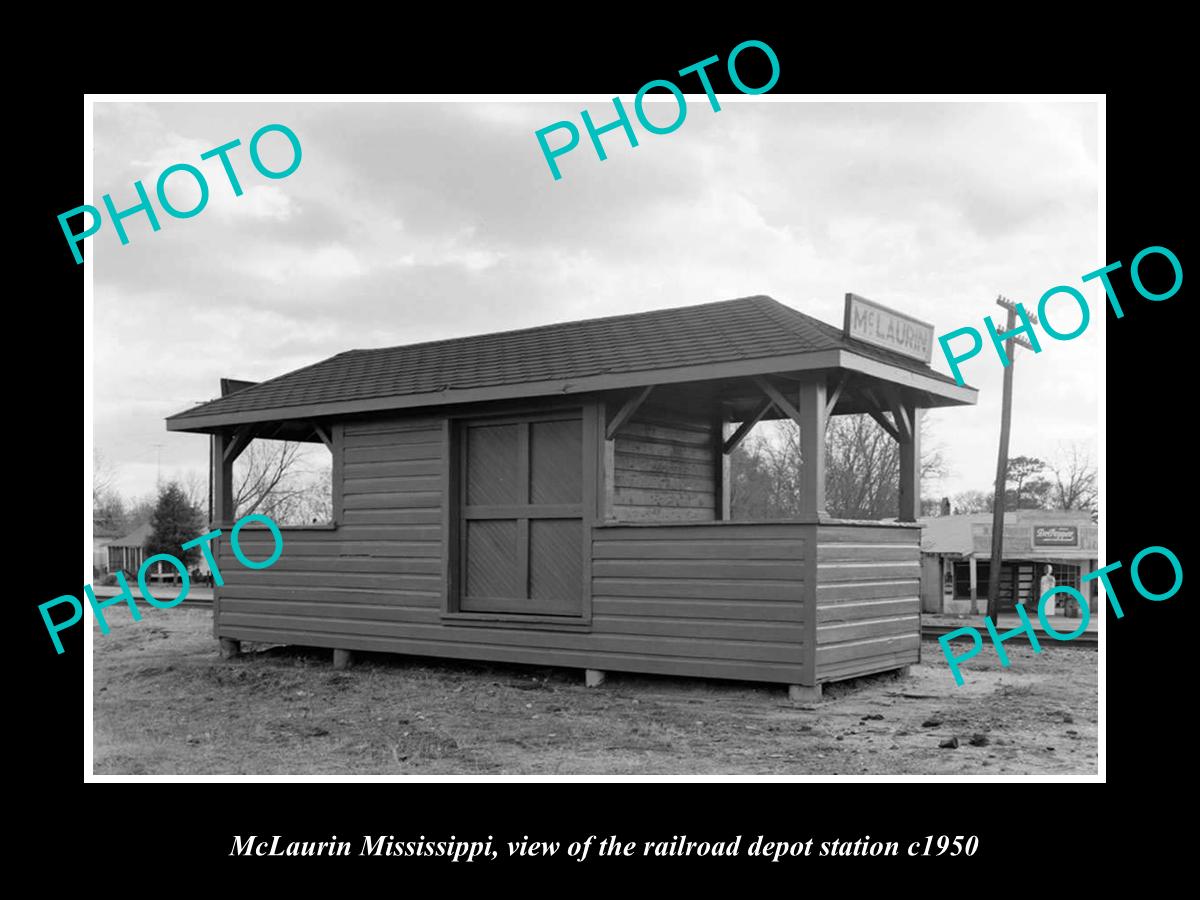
(560, 496)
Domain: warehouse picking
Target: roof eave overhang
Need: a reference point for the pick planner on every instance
(949, 394)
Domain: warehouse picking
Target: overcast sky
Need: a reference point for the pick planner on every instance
(408, 222)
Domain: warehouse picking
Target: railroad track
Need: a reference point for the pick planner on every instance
(937, 629)
(105, 592)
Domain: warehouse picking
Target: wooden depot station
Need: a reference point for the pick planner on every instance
(560, 496)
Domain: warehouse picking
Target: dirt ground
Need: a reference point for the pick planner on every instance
(166, 703)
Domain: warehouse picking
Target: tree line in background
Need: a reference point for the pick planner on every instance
(292, 483)
(1066, 482)
(287, 481)
(862, 477)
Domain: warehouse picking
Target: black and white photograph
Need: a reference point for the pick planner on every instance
(516, 436)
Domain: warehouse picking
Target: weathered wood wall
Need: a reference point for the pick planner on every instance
(665, 466)
(710, 599)
(378, 573)
(721, 600)
(868, 599)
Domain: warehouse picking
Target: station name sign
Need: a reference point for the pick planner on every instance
(886, 328)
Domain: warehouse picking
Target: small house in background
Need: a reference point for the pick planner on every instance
(127, 553)
(956, 554)
(560, 496)
(102, 535)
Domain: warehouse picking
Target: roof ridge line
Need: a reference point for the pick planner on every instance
(552, 325)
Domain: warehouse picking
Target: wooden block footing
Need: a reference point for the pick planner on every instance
(593, 677)
(342, 659)
(804, 693)
(230, 648)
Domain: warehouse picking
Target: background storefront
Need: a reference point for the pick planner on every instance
(956, 559)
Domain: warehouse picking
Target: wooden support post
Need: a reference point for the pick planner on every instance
(222, 476)
(804, 693)
(230, 648)
(721, 466)
(903, 671)
(226, 447)
(593, 677)
(725, 496)
(608, 494)
(811, 416)
(342, 659)
(910, 468)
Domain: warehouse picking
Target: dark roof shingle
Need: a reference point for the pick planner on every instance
(725, 331)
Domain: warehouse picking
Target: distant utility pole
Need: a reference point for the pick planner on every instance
(158, 464)
(993, 603)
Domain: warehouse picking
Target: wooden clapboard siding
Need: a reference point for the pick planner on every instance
(736, 589)
(382, 564)
(735, 611)
(543, 653)
(721, 600)
(792, 603)
(868, 590)
(665, 465)
(715, 600)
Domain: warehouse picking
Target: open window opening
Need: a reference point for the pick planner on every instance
(862, 469)
(289, 481)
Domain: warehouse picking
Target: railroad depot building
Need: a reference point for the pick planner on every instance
(956, 553)
(560, 496)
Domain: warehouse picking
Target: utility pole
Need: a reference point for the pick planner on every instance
(158, 465)
(1002, 460)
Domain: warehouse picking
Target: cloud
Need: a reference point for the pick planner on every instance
(416, 221)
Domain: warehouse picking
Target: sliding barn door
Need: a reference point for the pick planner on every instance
(521, 526)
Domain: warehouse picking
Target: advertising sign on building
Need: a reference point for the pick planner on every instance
(1055, 536)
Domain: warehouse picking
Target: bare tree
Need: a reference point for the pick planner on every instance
(862, 466)
(314, 503)
(261, 480)
(285, 481)
(752, 489)
(195, 487)
(108, 507)
(1073, 484)
(973, 502)
(862, 470)
(104, 477)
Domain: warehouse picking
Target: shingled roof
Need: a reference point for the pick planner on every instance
(609, 352)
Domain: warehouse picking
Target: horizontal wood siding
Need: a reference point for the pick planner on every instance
(709, 600)
(718, 600)
(381, 566)
(664, 466)
(868, 599)
(678, 594)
